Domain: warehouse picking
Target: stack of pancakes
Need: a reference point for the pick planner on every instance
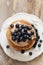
(17, 44)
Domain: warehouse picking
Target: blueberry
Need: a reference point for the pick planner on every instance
(19, 33)
(39, 45)
(34, 46)
(22, 51)
(18, 40)
(36, 30)
(15, 34)
(21, 39)
(25, 26)
(30, 53)
(17, 25)
(25, 30)
(32, 32)
(22, 26)
(25, 36)
(15, 31)
(38, 37)
(12, 33)
(7, 46)
(13, 38)
(17, 37)
(19, 29)
(22, 32)
(35, 43)
(36, 40)
(28, 27)
(40, 41)
(29, 34)
(30, 38)
(11, 25)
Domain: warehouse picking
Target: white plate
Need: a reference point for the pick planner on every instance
(13, 53)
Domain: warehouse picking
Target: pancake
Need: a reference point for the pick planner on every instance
(22, 45)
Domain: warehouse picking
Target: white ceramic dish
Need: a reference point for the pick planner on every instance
(13, 53)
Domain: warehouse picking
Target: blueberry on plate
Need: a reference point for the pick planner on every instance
(7, 46)
(22, 51)
(11, 25)
(39, 45)
(40, 41)
(30, 53)
(38, 37)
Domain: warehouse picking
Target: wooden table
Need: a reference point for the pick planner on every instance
(14, 6)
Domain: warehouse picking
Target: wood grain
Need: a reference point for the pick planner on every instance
(14, 6)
